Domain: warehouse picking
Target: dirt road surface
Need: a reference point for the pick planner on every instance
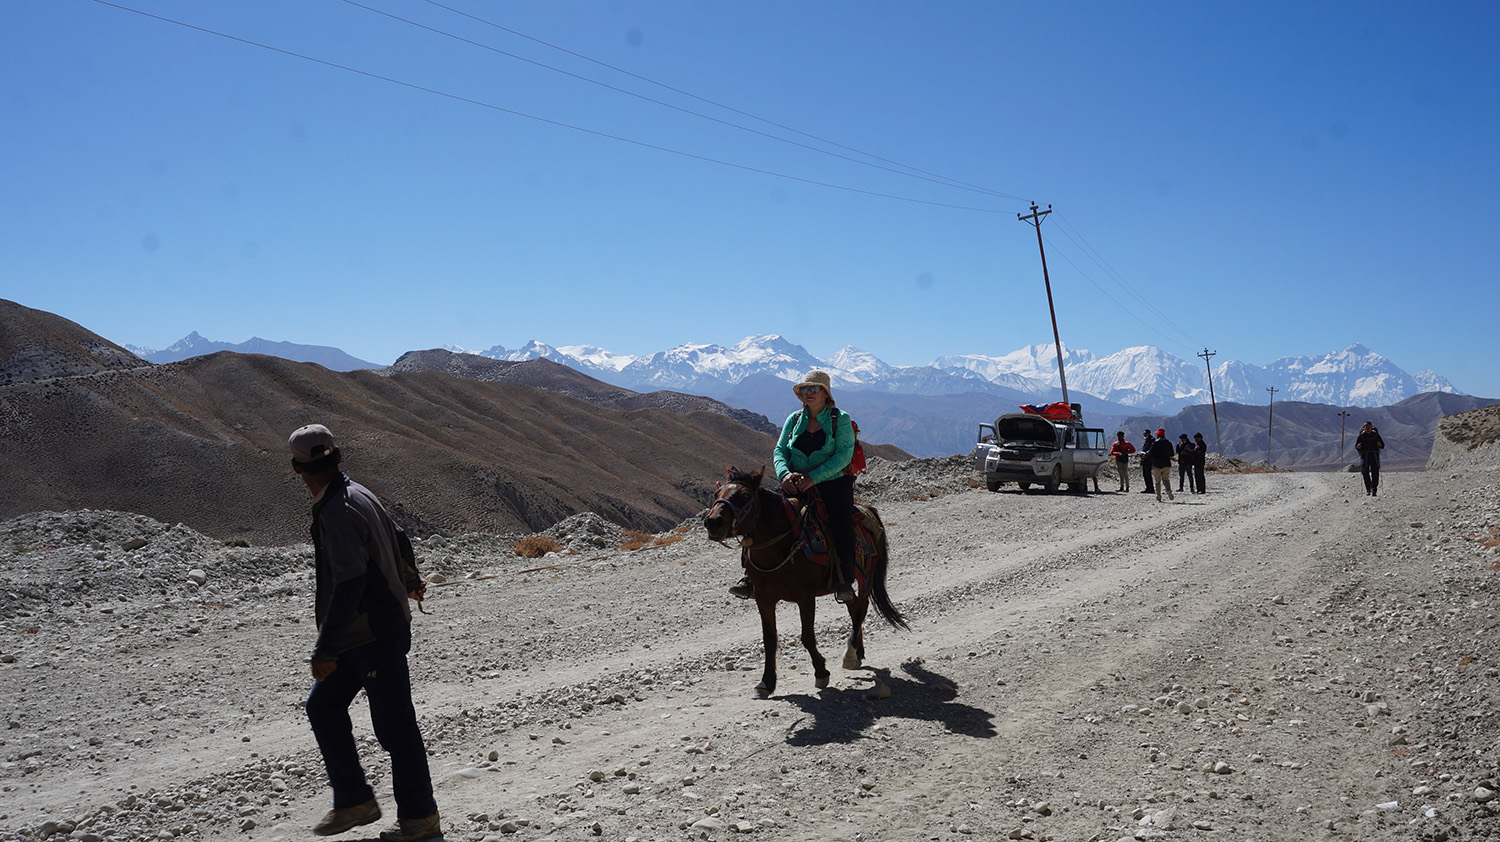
(1283, 658)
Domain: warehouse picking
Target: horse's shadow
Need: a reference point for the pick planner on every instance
(843, 717)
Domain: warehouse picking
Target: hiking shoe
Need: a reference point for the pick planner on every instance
(414, 830)
(743, 588)
(345, 818)
(844, 594)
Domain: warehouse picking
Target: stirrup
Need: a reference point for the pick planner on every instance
(743, 589)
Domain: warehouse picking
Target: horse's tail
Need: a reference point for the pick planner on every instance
(882, 600)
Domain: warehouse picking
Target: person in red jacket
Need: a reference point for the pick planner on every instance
(1121, 451)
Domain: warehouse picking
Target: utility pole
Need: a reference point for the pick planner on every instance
(1205, 355)
(1035, 219)
(1271, 417)
(1343, 416)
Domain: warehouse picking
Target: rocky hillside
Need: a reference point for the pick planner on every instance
(86, 425)
(556, 377)
(1467, 440)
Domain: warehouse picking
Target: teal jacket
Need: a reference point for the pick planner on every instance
(827, 462)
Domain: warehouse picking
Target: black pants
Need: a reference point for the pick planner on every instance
(1198, 473)
(838, 503)
(1146, 472)
(1369, 468)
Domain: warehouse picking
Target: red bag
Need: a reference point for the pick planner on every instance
(857, 459)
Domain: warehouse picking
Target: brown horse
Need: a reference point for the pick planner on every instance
(766, 526)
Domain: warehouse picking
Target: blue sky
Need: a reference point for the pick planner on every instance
(1263, 179)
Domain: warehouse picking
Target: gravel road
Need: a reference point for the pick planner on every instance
(1283, 658)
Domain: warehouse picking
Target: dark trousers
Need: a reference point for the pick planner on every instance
(1185, 475)
(380, 670)
(1146, 472)
(1369, 468)
(838, 503)
(1198, 472)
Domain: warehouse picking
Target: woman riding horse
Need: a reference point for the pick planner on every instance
(815, 446)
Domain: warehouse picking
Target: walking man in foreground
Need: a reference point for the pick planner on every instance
(364, 633)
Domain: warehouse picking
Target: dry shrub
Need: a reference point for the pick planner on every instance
(666, 540)
(535, 546)
(635, 539)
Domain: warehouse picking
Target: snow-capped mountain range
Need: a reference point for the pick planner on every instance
(1144, 376)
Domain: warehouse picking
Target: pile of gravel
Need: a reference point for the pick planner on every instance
(885, 481)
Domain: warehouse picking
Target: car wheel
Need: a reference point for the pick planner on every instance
(992, 484)
(1055, 480)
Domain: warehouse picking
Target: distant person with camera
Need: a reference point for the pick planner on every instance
(1369, 444)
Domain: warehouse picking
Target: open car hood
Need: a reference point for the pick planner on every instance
(1025, 428)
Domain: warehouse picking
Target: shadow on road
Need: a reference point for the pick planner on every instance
(843, 716)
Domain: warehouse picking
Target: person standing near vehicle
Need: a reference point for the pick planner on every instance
(364, 634)
(1185, 460)
(1146, 444)
(1161, 456)
(1369, 444)
(1200, 460)
(1121, 451)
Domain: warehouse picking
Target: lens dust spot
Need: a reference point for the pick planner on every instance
(150, 242)
(925, 281)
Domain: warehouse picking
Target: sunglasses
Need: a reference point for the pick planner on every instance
(808, 391)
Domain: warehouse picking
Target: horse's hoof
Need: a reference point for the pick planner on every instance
(851, 659)
(822, 680)
(762, 691)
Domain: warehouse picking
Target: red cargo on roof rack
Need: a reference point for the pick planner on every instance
(1058, 411)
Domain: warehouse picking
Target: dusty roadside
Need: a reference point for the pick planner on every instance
(1283, 658)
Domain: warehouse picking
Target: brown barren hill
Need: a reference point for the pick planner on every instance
(202, 442)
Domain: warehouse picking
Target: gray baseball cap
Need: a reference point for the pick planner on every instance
(310, 443)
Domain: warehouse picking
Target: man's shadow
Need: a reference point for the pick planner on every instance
(844, 716)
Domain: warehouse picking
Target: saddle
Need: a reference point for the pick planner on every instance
(812, 539)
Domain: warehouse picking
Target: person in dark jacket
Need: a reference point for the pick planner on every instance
(364, 634)
(1161, 456)
(1185, 461)
(1146, 443)
(1200, 460)
(1369, 444)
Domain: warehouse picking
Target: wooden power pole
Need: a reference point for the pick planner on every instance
(1270, 417)
(1205, 355)
(1035, 219)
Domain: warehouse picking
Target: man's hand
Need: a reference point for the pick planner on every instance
(323, 667)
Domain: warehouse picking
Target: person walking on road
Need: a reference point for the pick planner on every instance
(1200, 460)
(1146, 443)
(364, 634)
(1369, 444)
(1121, 451)
(1161, 455)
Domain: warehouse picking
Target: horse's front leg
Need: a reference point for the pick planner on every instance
(767, 684)
(808, 607)
(854, 654)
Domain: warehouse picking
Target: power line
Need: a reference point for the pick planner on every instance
(933, 179)
(548, 121)
(952, 182)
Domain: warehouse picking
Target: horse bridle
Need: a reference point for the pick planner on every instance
(741, 513)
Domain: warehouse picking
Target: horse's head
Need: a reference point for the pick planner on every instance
(734, 507)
